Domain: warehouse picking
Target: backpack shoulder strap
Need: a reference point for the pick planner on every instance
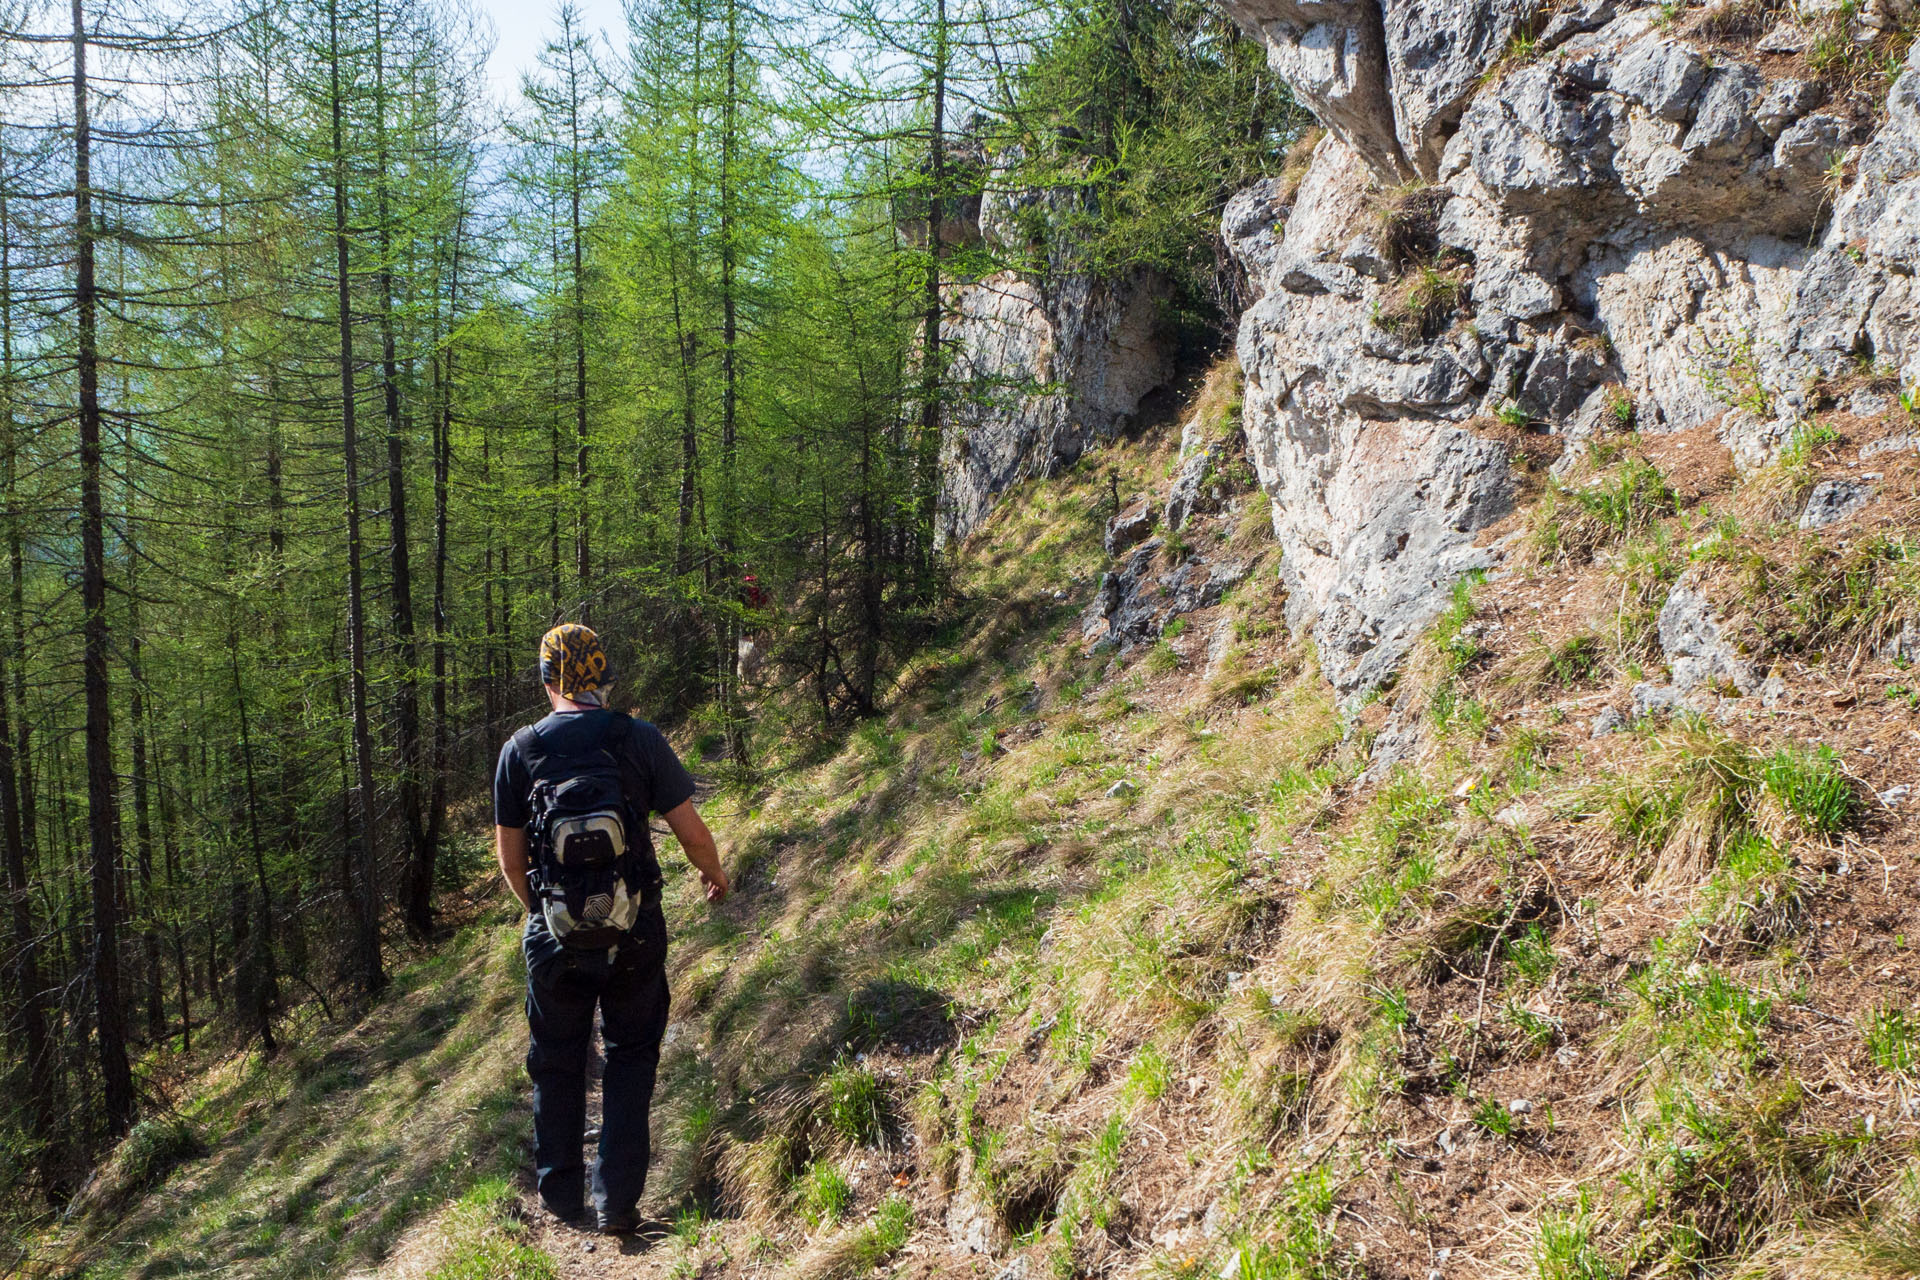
(526, 740)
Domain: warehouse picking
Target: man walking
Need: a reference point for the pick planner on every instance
(572, 796)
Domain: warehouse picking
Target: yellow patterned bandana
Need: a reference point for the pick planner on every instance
(572, 661)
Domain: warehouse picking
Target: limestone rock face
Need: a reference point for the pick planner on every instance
(1046, 368)
(1048, 360)
(1354, 433)
(1632, 228)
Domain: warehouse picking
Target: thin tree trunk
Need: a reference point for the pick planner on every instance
(265, 987)
(103, 837)
(406, 710)
(28, 998)
(142, 814)
(582, 552)
(442, 465)
(364, 891)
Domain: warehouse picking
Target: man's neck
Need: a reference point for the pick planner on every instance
(568, 704)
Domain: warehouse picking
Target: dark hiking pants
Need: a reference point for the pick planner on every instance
(630, 990)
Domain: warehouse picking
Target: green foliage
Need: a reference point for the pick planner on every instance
(823, 1193)
(1491, 1116)
(1567, 1248)
(1152, 115)
(855, 1104)
(1892, 1034)
(1530, 954)
(1811, 786)
(1149, 1074)
(152, 1150)
(1297, 1242)
(883, 1236)
(488, 1239)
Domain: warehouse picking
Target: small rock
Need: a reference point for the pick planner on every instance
(1566, 1055)
(1608, 721)
(1654, 699)
(1787, 37)
(1129, 528)
(1894, 795)
(1436, 1274)
(1772, 690)
(1519, 1107)
(1232, 1270)
(1018, 1269)
(1832, 501)
(1867, 403)
(1907, 443)
(1122, 789)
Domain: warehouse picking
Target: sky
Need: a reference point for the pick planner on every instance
(522, 26)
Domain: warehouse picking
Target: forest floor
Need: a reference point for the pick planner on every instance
(1077, 963)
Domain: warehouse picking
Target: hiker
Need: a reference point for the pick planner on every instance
(572, 799)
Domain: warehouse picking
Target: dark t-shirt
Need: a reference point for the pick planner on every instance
(668, 787)
(565, 732)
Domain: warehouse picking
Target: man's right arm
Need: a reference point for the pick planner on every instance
(510, 846)
(698, 844)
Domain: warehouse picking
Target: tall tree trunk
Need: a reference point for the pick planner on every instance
(406, 709)
(103, 836)
(444, 368)
(29, 1000)
(364, 890)
(169, 848)
(728, 637)
(264, 989)
(582, 553)
(142, 812)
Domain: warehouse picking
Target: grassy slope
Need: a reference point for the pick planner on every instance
(1250, 1010)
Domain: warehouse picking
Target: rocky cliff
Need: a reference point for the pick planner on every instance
(1047, 364)
(1565, 219)
(1047, 358)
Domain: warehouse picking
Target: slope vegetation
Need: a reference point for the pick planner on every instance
(1582, 951)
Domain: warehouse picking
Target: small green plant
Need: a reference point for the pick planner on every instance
(854, 1104)
(1150, 1074)
(885, 1235)
(1512, 415)
(824, 1193)
(1540, 1032)
(1811, 786)
(1491, 1116)
(1620, 408)
(1566, 1249)
(1893, 1039)
(153, 1150)
(1162, 658)
(1576, 659)
(1803, 442)
(1299, 1242)
(1531, 955)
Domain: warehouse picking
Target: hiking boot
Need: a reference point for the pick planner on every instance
(575, 1216)
(619, 1222)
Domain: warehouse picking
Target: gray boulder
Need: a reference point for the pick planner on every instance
(1833, 501)
(1130, 528)
(1695, 643)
